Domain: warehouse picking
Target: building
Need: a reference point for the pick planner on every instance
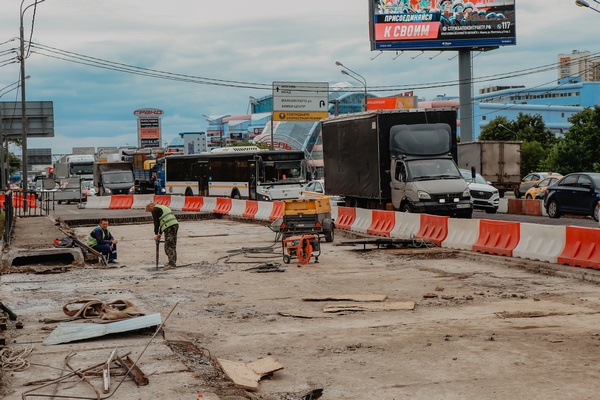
(578, 66)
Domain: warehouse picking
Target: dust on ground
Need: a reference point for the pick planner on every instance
(483, 326)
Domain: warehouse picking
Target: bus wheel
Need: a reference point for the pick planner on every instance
(188, 192)
(236, 195)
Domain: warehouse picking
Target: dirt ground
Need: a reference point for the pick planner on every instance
(483, 327)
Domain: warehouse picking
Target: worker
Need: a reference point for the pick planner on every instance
(165, 223)
(101, 240)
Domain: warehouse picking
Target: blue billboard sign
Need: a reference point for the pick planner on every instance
(441, 24)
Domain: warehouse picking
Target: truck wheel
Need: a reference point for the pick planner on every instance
(517, 194)
(501, 193)
(188, 192)
(329, 235)
(552, 209)
(236, 195)
(407, 208)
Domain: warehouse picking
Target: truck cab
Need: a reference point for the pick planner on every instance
(429, 185)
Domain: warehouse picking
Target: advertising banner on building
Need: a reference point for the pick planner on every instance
(441, 24)
(391, 103)
(149, 129)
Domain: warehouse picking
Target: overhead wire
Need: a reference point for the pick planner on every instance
(68, 56)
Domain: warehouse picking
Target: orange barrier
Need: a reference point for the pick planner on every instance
(345, 218)
(515, 206)
(433, 228)
(251, 209)
(121, 202)
(2, 200)
(277, 211)
(223, 205)
(18, 200)
(382, 223)
(581, 248)
(498, 237)
(193, 203)
(533, 207)
(162, 199)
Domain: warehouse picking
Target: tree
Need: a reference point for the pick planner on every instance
(531, 130)
(580, 148)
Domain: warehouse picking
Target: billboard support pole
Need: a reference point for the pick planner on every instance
(465, 91)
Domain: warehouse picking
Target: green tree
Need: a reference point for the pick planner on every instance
(580, 148)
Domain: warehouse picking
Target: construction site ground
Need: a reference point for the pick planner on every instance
(482, 327)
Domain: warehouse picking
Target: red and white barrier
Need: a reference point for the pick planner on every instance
(209, 205)
(139, 200)
(540, 242)
(407, 225)
(237, 208)
(462, 233)
(265, 208)
(363, 220)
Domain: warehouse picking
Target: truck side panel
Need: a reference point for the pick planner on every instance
(497, 161)
(351, 151)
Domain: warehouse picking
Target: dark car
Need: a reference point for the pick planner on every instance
(577, 193)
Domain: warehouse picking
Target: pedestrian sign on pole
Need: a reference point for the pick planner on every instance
(300, 101)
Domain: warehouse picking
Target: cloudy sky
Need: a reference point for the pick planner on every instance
(213, 55)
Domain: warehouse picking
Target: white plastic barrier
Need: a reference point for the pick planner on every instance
(503, 205)
(363, 220)
(102, 202)
(209, 204)
(237, 207)
(462, 233)
(541, 242)
(140, 200)
(407, 225)
(265, 208)
(177, 203)
(334, 212)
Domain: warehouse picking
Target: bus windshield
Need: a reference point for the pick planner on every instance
(282, 171)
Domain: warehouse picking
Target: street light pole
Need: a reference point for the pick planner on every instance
(583, 3)
(352, 74)
(24, 179)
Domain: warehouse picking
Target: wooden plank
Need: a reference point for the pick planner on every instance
(302, 314)
(347, 297)
(392, 306)
(72, 331)
(242, 376)
(265, 366)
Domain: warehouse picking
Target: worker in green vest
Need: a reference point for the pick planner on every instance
(165, 223)
(101, 240)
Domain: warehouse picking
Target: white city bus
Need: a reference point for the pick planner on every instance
(244, 172)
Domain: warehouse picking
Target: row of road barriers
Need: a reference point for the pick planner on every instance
(566, 245)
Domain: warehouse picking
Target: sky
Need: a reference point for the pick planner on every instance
(216, 55)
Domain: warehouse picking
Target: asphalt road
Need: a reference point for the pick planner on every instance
(71, 211)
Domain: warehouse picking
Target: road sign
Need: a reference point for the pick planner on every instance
(300, 101)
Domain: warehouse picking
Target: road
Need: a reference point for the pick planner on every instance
(70, 211)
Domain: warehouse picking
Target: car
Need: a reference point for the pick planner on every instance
(87, 189)
(577, 193)
(538, 191)
(483, 194)
(529, 180)
(317, 188)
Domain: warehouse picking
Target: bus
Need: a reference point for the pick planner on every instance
(243, 172)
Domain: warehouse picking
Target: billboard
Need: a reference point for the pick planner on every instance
(441, 24)
(392, 103)
(149, 127)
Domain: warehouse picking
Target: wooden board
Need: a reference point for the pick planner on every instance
(240, 374)
(264, 366)
(72, 331)
(391, 306)
(301, 314)
(347, 297)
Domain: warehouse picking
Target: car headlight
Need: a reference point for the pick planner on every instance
(423, 195)
(132, 190)
(466, 193)
(107, 190)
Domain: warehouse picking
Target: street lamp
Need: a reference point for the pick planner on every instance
(510, 130)
(583, 3)
(23, 104)
(3, 171)
(355, 75)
